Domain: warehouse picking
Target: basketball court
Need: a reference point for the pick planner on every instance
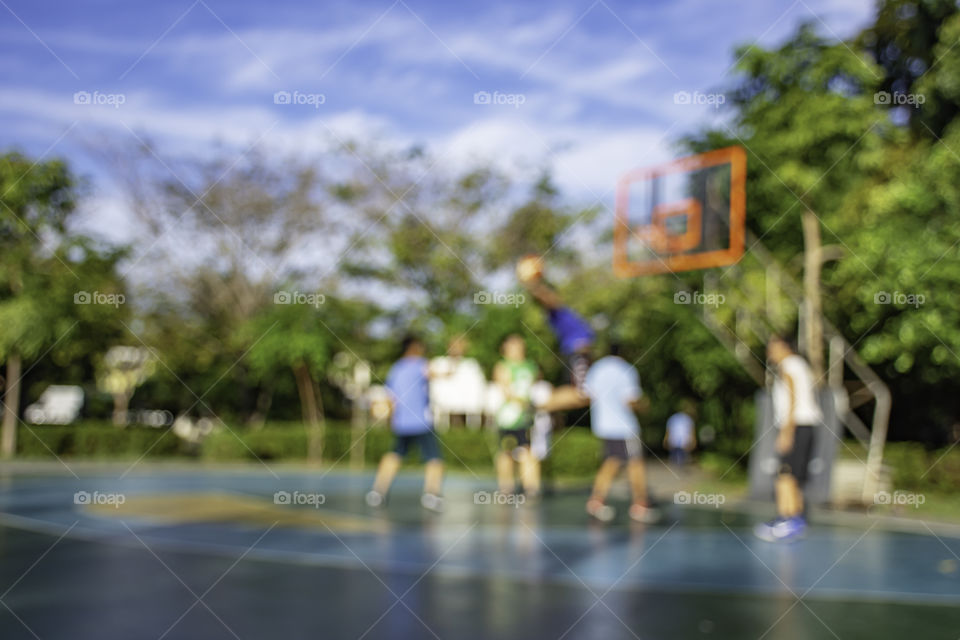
(179, 551)
(209, 553)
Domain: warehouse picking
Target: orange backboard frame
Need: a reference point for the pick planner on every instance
(655, 234)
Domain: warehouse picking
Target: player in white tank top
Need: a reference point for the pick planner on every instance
(796, 416)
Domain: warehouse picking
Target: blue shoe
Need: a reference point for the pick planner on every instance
(781, 529)
(764, 530)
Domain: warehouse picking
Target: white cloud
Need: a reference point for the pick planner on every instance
(586, 160)
(105, 215)
(597, 100)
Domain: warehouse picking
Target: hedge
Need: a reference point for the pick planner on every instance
(915, 468)
(97, 440)
(575, 452)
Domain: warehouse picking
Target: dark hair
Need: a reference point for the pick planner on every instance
(409, 340)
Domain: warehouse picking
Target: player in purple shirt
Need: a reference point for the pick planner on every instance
(573, 333)
(410, 420)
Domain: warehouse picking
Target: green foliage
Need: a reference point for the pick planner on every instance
(284, 335)
(575, 452)
(940, 86)
(97, 441)
(916, 468)
(60, 296)
(420, 242)
(35, 202)
(539, 225)
(726, 467)
(907, 39)
(807, 117)
(263, 445)
(886, 197)
(35, 198)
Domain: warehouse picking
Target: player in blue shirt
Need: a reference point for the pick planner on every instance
(411, 422)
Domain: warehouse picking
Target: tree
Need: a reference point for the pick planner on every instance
(289, 335)
(225, 233)
(882, 188)
(35, 200)
(806, 114)
(541, 224)
(902, 41)
(419, 231)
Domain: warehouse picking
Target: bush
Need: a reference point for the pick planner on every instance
(916, 468)
(723, 466)
(575, 451)
(908, 462)
(96, 440)
(461, 449)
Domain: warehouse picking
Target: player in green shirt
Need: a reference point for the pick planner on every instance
(515, 375)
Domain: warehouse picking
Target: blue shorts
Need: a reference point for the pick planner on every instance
(426, 442)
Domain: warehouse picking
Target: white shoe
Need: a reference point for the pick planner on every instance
(374, 499)
(432, 502)
(600, 511)
(643, 513)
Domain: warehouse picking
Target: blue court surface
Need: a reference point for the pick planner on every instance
(254, 553)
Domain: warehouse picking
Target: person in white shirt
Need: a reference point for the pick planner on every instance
(680, 437)
(612, 386)
(796, 416)
(457, 386)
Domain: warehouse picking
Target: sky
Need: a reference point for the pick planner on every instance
(590, 88)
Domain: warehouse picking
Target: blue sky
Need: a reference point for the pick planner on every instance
(587, 87)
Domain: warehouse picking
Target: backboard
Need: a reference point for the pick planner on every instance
(686, 214)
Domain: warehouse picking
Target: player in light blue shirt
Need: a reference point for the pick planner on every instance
(409, 391)
(613, 388)
(410, 420)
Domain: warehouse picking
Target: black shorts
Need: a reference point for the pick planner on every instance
(426, 442)
(510, 439)
(628, 449)
(796, 461)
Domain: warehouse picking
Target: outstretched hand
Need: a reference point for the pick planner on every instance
(784, 440)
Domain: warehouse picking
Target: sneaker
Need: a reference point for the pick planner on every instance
(374, 499)
(431, 502)
(643, 513)
(600, 511)
(781, 529)
(764, 530)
